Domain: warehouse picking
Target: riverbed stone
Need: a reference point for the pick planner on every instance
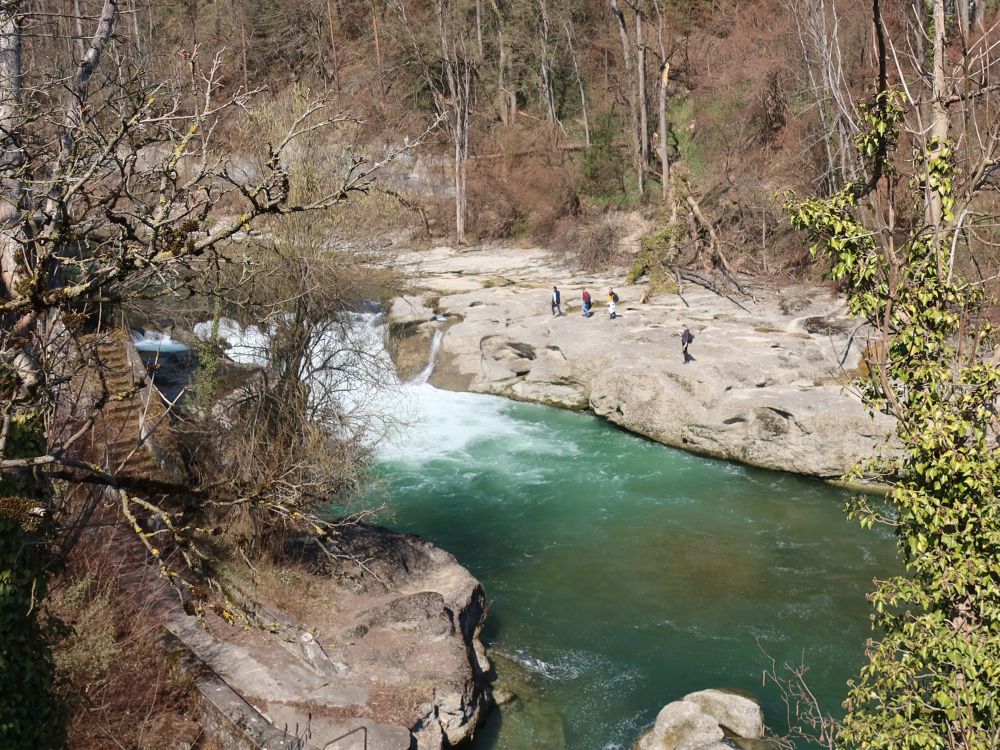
(682, 726)
(767, 387)
(737, 713)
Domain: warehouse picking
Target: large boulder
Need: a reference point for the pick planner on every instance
(738, 714)
(682, 726)
(696, 722)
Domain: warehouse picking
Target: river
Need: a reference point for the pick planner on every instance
(622, 574)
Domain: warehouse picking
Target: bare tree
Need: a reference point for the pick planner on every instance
(634, 95)
(663, 81)
(568, 26)
(818, 28)
(448, 69)
(114, 194)
(544, 62)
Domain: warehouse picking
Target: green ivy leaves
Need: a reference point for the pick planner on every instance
(933, 681)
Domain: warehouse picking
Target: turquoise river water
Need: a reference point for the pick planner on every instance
(622, 574)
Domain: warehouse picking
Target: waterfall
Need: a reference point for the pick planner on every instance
(349, 364)
(425, 374)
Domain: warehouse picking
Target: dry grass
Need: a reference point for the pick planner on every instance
(120, 687)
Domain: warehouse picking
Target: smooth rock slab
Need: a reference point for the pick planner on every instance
(738, 714)
(766, 387)
(682, 726)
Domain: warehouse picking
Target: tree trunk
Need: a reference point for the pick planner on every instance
(546, 76)
(939, 120)
(479, 27)
(579, 82)
(78, 17)
(665, 188)
(640, 61)
(456, 105)
(12, 156)
(964, 21)
(664, 156)
(378, 45)
(631, 87)
(335, 72)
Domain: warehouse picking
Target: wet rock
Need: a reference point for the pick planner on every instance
(410, 350)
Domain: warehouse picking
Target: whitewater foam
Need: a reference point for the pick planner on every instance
(156, 341)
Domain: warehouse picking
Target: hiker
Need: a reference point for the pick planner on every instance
(586, 304)
(556, 310)
(686, 338)
(612, 303)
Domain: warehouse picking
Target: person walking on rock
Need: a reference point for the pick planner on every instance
(686, 338)
(612, 303)
(586, 304)
(556, 310)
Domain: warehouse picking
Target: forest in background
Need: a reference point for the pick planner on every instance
(546, 115)
(539, 101)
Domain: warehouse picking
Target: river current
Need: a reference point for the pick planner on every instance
(622, 574)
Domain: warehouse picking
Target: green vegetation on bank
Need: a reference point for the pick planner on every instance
(933, 677)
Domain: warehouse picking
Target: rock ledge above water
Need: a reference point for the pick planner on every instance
(768, 387)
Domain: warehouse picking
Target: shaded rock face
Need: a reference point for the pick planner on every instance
(697, 721)
(766, 387)
(411, 333)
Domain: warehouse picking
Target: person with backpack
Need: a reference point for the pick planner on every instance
(586, 304)
(686, 338)
(612, 303)
(556, 297)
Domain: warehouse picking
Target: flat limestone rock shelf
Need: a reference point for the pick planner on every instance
(766, 387)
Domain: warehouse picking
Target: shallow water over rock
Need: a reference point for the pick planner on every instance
(623, 574)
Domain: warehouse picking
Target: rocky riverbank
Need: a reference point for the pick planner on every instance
(767, 387)
(383, 651)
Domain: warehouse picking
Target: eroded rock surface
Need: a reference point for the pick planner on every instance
(398, 651)
(737, 713)
(767, 387)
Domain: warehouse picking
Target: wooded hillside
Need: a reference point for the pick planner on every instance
(696, 111)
